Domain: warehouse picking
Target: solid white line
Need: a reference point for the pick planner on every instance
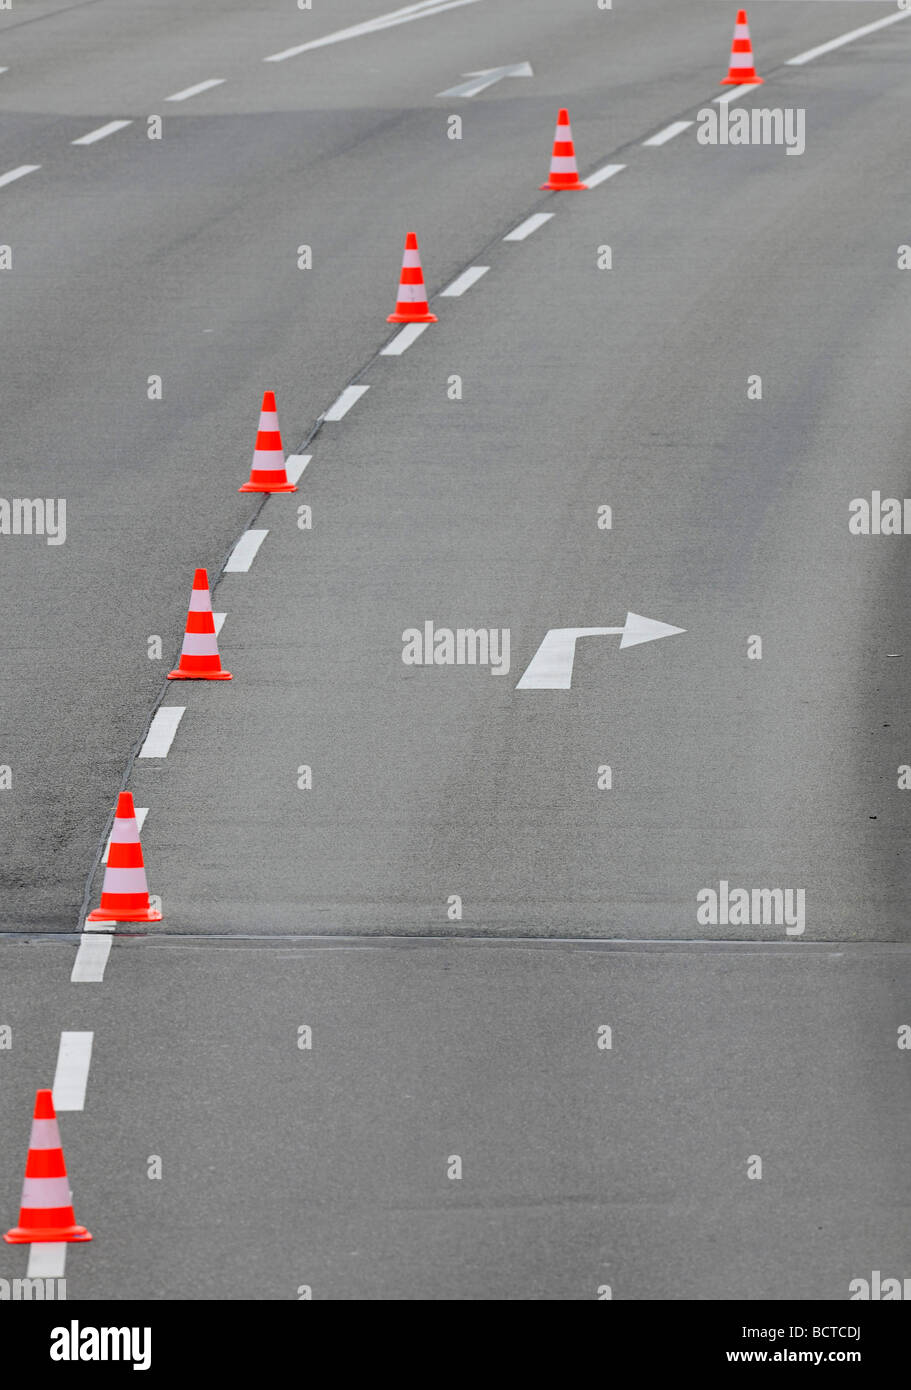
(531, 224)
(812, 53)
(295, 465)
(161, 731)
(733, 93)
(91, 958)
(345, 401)
(141, 813)
(194, 91)
(219, 621)
(46, 1260)
(244, 553)
(4, 69)
(74, 1058)
(403, 340)
(18, 173)
(464, 282)
(600, 175)
(675, 128)
(384, 21)
(101, 132)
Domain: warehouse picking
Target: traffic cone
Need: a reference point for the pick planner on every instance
(268, 471)
(741, 70)
(412, 306)
(46, 1211)
(564, 173)
(125, 893)
(199, 659)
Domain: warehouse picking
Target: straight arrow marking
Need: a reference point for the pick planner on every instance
(480, 81)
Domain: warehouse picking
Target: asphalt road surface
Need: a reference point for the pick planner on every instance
(474, 881)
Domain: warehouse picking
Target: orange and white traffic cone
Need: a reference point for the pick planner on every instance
(46, 1211)
(412, 306)
(268, 471)
(199, 659)
(741, 70)
(564, 172)
(125, 892)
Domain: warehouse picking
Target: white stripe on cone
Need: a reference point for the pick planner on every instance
(45, 1135)
(42, 1193)
(199, 644)
(124, 881)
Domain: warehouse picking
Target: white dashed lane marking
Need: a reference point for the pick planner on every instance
(662, 137)
(161, 731)
(295, 465)
(101, 132)
(219, 621)
(812, 53)
(74, 1057)
(346, 400)
(464, 282)
(531, 224)
(409, 334)
(733, 93)
(244, 553)
(46, 1260)
(92, 956)
(602, 175)
(423, 9)
(194, 91)
(18, 173)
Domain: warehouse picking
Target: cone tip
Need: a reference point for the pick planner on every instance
(563, 116)
(125, 805)
(44, 1105)
(269, 400)
(411, 242)
(200, 580)
(741, 16)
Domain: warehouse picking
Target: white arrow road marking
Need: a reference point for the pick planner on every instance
(480, 81)
(161, 731)
(551, 667)
(74, 1058)
(422, 10)
(46, 1260)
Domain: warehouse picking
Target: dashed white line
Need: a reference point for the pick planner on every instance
(161, 731)
(409, 334)
(531, 224)
(91, 958)
(194, 91)
(219, 621)
(101, 132)
(4, 69)
(812, 53)
(74, 1058)
(18, 173)
(346, 400)
(141, 813)
(244, 553)
(422, 10)
(602, 175)
(464, 282)
(662, 137)
(295, 465)
(733, 93)
(46, 1260)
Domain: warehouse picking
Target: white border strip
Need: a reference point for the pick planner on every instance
(74, 1057)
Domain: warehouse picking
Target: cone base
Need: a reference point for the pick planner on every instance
(729, 81)
(273, 487)
(200, 676)
(141, 914)
(563, 187)
(19, 1236)
(412, 318)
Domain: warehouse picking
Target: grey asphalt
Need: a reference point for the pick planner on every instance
(581, 387)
